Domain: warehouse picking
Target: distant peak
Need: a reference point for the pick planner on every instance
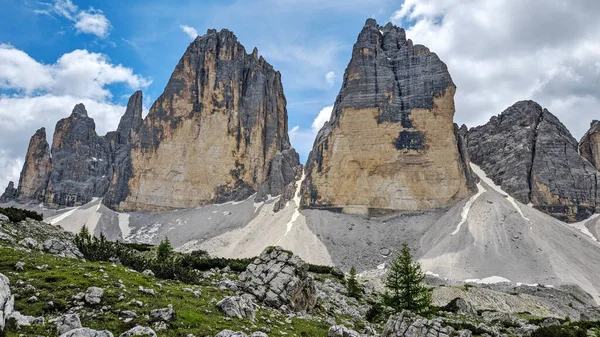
(80, 110)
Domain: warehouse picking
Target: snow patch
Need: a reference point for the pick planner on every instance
(527, 284)
(296, 213)
(488, 280)
(381, 266)
(467, 208)
(583, 228)
(481, 174)
(432, 274)
(124, 226)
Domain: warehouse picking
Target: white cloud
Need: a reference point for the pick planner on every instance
(330, 78)
(91, 21)
(190, 31)
(498, 52)
(41, 94)
(322, 117)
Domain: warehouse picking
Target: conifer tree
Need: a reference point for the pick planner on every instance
(352, 286)
(165, 250)
(404, 282)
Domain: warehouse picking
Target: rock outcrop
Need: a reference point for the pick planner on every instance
(589, 145)
(390, 144)
(408, 324)
(36, 169)
(81, 161)
(533, 157)
(7, 301)
(212, 135)
(278, 277)
(10, 193)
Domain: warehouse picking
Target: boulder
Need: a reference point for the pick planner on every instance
(139, 331)
(461, 306)
(391, 133)
(62, 248)
(29, 243)
(4, 218)
(407, 324)
(67, 322)
(163, 315)
(230, 333)
(278, 277)
(86, 332)
(93, 295)
(341, 331)
(18, 320)
(238, 306)
(7, 301)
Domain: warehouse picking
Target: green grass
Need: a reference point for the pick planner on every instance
(65, 277)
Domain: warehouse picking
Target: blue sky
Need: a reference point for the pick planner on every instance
(56, 53)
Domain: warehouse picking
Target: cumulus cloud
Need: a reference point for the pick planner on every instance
(190, 31)
(302, 139)
(322, 117)
(37, 94)
(502, 51)
(90, 21)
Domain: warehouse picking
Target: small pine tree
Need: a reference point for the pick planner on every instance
(165, 250)
(352, 285)
(405, 284)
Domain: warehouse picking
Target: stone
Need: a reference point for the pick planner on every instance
(146, 291)
(4, 218)
(93, 295)
(20, 266)
(238, 306)
(61, 248)
(529, 153)
(139, 331)
(410, 325)
(341, 331)
(163, 315)
(67, 322)
(86, 332)
(81, 161)
(7, 301)
(231, 106)
(36, 168)
(390, 144)
(230, 333)
(148, 272)
(29, 243)
(461, 306)
(10, 193)
(278, 277)
(18, 320)
(589, 145)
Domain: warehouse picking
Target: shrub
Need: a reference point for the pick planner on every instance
(559, 331)
(18, 214)
(352, 286)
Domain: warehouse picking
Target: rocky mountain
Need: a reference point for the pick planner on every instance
(10, 193)
(36, 168)
(212, 135)
(533, 157)
(218, 133)
(589, 145)
(391, 133)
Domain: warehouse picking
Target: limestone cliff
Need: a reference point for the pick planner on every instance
(212, 135)
(36, 168)
(390, 144)
(533, 156)
(81, 161)
(589, 145)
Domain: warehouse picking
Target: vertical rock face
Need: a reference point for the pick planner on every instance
(36, 169)
(122, 142)
(589, 145)
(81, 161)
(533, 156)
(390, 144)
(10, 193)
(212, 134)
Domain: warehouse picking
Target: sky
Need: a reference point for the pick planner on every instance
(57, 53)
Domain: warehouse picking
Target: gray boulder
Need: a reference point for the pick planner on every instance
(94, 295)
(407, 324)
(238, 306)
(341, 331)
(278, 277)
(4, 218)
(62, 248)
(18, 320)
(139, 331)
(461, 306)
(68, 322)
(86, 332)
(7, 301)
(29, 243)
(163, 315)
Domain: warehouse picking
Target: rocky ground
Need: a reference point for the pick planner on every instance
(47, 289)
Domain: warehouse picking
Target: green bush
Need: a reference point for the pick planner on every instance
(318, 269)
(18, 215)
